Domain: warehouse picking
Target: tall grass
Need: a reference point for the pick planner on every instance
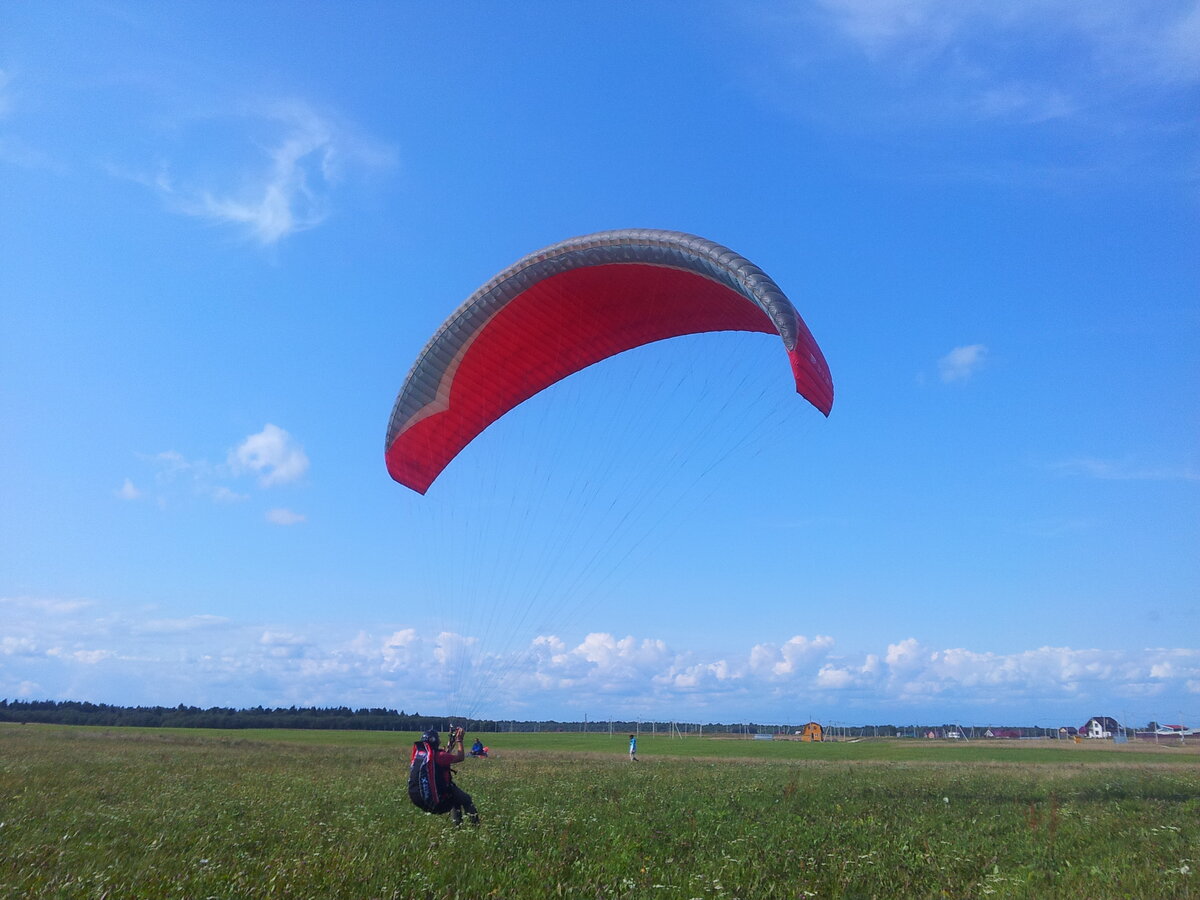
(122, 813)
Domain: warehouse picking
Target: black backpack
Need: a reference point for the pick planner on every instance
(428, 782)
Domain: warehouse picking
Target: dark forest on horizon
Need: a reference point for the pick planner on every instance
(76, 712)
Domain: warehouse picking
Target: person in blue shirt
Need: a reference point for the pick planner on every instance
(633, 748)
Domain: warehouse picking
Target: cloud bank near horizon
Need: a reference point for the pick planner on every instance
(84, 650)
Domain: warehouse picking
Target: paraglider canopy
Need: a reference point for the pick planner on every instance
(570, 305)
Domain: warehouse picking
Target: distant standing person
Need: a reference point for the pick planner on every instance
(633, 748)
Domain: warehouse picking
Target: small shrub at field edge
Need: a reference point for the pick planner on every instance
(91, 813)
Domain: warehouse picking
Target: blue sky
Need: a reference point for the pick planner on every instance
(226, 230)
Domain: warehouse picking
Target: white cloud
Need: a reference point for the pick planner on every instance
(298, 159)
(698, 678)
(128, 491)
(17, 646)
(206, 659)
(397, 651)
(291, 193)
(49, 606)
(273, 454)
(284, 644)
(454, 652)
(86, 657)
(281, 516)
(832, 677)
(962, 362)
(796, 653)
(172, 468)
(904, 655)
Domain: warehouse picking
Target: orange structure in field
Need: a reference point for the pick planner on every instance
(812, 732)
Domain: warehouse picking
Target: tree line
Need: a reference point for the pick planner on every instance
(76, 712)
(79, 712)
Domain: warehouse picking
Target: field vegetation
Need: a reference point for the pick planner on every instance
(157, 813)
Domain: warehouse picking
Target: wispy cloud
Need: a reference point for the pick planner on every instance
(271, 457)
(14, 150)
(1108, 39)
(962, 362)
(128, 491)
(5, 94)
(270, 170)
(1090, 88)
(281, 516)
(52, 606)
(291, 192)
(1110, 470)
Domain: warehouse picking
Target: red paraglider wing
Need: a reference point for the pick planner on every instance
(566, 307)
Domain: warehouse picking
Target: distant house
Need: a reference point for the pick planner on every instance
(812, 732)
(1100, 727)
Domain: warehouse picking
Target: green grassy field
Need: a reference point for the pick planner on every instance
(116, 813)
